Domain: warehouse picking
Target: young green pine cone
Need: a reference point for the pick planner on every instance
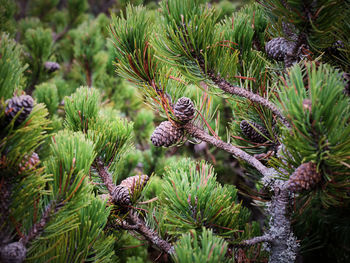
(304, 177)
(121, 195)
(252, 133)
(16, 104)
(184, 109)
(166, 134)
(135, 182)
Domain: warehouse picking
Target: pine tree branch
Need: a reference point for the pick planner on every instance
(138, 224)
(38, 227)
(124, 225)
(29, 90)
(280, 238)
(150, 234)
(88, 73)
(199, 133)
(283, 247)
(17, 251)
(105, 176)
(5, 193)
(235, 90)
(253, 241)
(23, 6)
(58, 36)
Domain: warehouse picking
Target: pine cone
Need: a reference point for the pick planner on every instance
(278, 48)
(290, 60)
(16, 104)
(166, 134)
(51, 66)
(184, 109)
(289, 31)
(304, 177)
(13, 253)
(335, 49)
(135, 182)
(121, 195)
(252, 133)
(29, 163)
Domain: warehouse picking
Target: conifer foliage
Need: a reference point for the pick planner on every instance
(95, 166)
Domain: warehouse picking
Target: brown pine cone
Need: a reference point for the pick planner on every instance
(136, 182)
(51, 66)
(121, 195)
(13, 253)
(166, 134)
(23, 103)
(29, 163)
(335, 49)
(278, 48)
(184, 109)
(251, 133)
(304, 177)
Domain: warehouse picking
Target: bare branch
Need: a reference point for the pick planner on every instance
(280, 238)
(124, 225)
(235, 90)
(150, 234)
(39, 226)
(105, 176)
(284, 245)
(253, 241)
(59, 36)
(199, 133)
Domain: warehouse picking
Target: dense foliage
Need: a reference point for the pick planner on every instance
(252, 97)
